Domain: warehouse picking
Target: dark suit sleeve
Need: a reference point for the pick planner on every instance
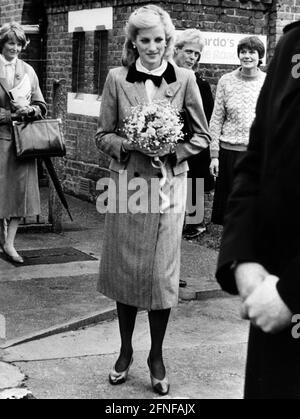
(194, 107)
(207, 97)
(288, 285)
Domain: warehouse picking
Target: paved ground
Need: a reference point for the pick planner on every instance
(36, 298)
(205, 346)
(204, 354)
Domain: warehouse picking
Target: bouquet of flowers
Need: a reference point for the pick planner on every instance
(154, 126)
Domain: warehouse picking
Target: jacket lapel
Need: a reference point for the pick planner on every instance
(19, 74)
(135, 92)
(167, 91)
(3, 81)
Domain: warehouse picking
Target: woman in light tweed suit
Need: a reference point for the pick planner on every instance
(19, 189)
(141, 252)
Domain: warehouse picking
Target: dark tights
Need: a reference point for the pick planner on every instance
(158, 321)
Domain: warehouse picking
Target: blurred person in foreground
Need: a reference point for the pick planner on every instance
(259, 256)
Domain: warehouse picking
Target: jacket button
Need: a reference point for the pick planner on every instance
(136, 174)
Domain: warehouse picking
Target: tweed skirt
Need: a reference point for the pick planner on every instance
(19, 189)
(140, 262)
(224, 183)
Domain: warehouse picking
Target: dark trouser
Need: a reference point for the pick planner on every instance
(224, 183)
(273, 366)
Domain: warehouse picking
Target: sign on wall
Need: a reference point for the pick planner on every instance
(221, 47)
(90, 19)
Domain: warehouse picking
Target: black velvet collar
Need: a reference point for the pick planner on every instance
(169, 75)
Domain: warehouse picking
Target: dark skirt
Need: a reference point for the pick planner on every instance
(224, 183)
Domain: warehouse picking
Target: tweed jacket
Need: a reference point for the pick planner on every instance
(182, 92)
(140, 263)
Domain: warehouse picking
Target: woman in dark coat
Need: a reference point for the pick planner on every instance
(140, 261)
(19, 191)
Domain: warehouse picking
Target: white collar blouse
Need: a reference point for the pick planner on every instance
(10, 70)
(149, 85)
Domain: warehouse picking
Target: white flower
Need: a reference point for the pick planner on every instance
(153, 126)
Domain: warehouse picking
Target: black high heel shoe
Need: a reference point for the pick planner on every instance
(161, 387)
(116, 378)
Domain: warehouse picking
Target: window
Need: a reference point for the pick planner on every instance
(100, 60)
(78, 61)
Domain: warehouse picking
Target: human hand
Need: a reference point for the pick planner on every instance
(248, 275)
(161, 152)
(26, 114)
(266, 309)
(129, 146)
(214, 167)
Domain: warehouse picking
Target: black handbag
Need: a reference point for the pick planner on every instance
(38, 139)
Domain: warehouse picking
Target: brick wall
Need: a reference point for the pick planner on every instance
(83, 159)
(82, 165)
(25, 11)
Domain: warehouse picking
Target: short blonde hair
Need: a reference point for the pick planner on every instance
(144, 18)
(193, 36)
(10, 30)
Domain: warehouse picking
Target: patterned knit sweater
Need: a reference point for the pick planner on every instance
(234, 110)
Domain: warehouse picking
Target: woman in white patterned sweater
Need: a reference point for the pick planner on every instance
(233, 114)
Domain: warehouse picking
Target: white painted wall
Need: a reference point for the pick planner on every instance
(91, 18)
(88, 20)
(84, 104)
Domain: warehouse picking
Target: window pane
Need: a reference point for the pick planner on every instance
(101, 57)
